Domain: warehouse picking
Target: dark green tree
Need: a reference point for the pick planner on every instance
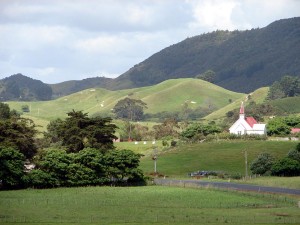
(262, 164)
(54, 132)
(288, 86)
(295, 153)
(19, 133)
(123, 165)
(25, 108)
(4, 111)
(38, 178)
(11, 168)
(78, 131)
(130, 109)
(277, 126)
(196, 130)
(91, 165)
(286, 167)
(208, 75)
(54, 162)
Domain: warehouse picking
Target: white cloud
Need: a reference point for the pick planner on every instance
(214, 14)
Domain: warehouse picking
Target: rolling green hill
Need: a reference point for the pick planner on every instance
(166, 96)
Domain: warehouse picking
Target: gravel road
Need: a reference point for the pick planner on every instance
(227, 185)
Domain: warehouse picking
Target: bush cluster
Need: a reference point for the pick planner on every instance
(289, 165)
(57, 168)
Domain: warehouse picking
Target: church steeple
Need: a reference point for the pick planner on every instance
(242, 111)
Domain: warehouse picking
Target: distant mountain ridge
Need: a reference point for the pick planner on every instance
(20, 87)
(242, 60)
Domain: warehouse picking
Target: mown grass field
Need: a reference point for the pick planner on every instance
(144, 205)
(226, 156)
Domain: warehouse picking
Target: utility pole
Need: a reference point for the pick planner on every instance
(155, 160)
(246, 164)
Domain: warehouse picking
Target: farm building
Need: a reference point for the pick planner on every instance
(247, 125)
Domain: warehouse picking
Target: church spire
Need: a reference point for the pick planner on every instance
(242, 111)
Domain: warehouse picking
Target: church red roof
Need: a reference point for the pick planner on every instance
(295, 130)
(251, 121)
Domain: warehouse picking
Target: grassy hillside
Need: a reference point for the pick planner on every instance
(289, 105)
(258, 96)
(218, 156)
(166, 96)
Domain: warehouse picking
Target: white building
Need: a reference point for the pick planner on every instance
(247, 125)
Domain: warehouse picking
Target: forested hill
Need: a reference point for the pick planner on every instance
(242, 60)
(20, 87)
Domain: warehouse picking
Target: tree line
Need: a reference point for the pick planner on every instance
(76, 151)
(265, 164)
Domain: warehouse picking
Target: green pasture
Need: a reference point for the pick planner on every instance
(142, 147)
(226, 156)
(144, 205)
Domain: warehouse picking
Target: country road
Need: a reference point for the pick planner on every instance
(226, 185)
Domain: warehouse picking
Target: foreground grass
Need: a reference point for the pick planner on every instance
(144, 205)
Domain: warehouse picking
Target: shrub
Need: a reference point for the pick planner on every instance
(262, 164)
(173, 143)
(286, 167)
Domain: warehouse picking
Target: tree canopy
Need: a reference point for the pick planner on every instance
(131, 109)
(288, 86)
(79, 131)
(17, 132)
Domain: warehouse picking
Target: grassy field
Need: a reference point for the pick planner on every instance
(166, 96)
(144, 205)
(217, 156)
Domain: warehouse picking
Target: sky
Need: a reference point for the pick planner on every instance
(59, 40)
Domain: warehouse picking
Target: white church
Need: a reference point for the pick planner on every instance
(247, 125)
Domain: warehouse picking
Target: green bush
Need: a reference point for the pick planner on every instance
(262, 164)
(286, 167)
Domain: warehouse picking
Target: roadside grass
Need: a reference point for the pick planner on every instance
(225, 156)
(144, 205)
(287, 182)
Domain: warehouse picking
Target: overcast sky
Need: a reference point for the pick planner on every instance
(59, 40)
